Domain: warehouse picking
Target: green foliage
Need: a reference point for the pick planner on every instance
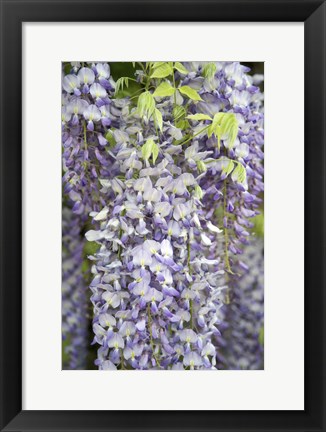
(146, 104)
(122, 69)
(163, 70)
(155, 153)
(85, 266)
(215, 126)
(65, 357)
(158, 119)
(261, 336)
(120, 84)
(199, 117)
(90, 248)
(182, 124)
(180, 68)
(67, 68)
(125, 70)
(230, 128)
(199, 192)
(164, 89)
(150, 148)
(209, 70)
(224, 125)
(190, 93)
(228, 168)
(240, 173)
(178, 112)
(155, 65)
(201, 166)
(110, 138)
(259, 224)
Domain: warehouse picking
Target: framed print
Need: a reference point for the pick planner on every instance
(162, 220)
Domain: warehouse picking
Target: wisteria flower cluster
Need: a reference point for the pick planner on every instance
(74, 294)
(244, 317)
(166, 180)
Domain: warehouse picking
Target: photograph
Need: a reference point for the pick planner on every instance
(162, 215)
(161, 236)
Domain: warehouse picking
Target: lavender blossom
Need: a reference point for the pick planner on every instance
(245, 314)
(74, 293)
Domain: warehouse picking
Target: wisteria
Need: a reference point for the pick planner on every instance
(74, 294)
(244, 335)
(165, 181)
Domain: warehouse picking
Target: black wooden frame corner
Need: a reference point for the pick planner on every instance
(13, 13)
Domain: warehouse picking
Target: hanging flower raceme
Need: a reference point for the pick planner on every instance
(85, 158)
(86, 118)
(244, 336)
(74, 294)
(232, 112)
(150, 289)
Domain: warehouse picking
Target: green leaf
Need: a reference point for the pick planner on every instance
(120, 84)
(199, 192)
(90, 248)
(217, 120)
(150, 148)
(155, 65)
(216, 128)
(162, 71)
(259, 225)
(158, 118)
(261, 336)
(224, 126)
(67, 68)
(199, 117)
(239, 174)
(180, 68)
(163, 90)
(146, 149)
(182, 124)
(201, 166)
(229, 128)
(210, 131)
(146, 104)
(209, 70)
(155, 153)
(178, 112)
(110, 138)
(190, 92)
(228, 169)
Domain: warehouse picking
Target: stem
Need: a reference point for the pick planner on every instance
(120, 247)
(188, 256)
(191, 303)
(150, 332)
(227, 295)
(142, 66)
(134, 95)
(193, 136)
(85, 137)
(175, 90)
(226, 232)
(226, 237)
(190, 272)
(122, 364)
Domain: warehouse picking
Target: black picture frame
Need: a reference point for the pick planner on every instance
(13, 14)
